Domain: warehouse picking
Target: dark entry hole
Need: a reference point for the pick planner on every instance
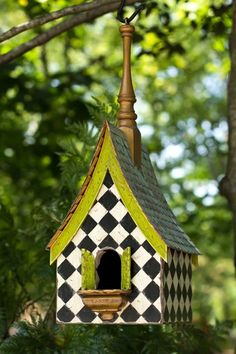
(109, 271)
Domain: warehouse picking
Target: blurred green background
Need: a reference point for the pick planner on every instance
(53, 101)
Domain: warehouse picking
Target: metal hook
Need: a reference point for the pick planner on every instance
(127, 20)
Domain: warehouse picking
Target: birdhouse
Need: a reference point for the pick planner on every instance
(121, 255)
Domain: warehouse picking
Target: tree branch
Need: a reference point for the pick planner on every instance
(41, 20)
(228, 183)
(84, 13)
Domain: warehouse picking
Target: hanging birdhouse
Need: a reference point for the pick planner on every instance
(121, 255)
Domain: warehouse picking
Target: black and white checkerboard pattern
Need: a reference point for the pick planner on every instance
(108, 224)
(177, 289)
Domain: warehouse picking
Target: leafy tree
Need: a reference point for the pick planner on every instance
(48, 129)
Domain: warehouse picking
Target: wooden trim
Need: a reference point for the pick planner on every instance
(107, 160)
(162, 281)
(82, 190)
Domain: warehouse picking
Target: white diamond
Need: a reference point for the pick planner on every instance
(157, 258)
(102, 191)
(119, 234)
(80, 235)
(74, 281)
(97, 320)
(60, 259)
(114, 190)
(176, 304)
(141, 280)
(181, 260)
(169, 280)
(141, 320)
(169, 303)
(157, 304)
(119, 211)
(138, 235)
(75, 320)
(75, 304)
(98, 234)
(175, 281)
(97, 212)
(60, 280)
(157, 279)
(187, 304)
(119, 250)
(175, 258)
(74, 257)
(181, 304)
(141, 256)
(60, 303)
(181, 281)
(141, 303)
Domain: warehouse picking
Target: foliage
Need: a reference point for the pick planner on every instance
(48, 130)
(38, 338)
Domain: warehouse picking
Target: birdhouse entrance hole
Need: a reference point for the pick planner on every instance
(106, 281)
(108, 270)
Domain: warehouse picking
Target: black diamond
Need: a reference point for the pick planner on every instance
(152, 268)
(88, 244)
(108, 200)
(179, 314)
(130, 242)
(88, 224)
(128, 223)
(134, 269)
(108, 242)
(166, 291)
(152, 291)
(146, 245)
(79, 269)
(184, 271)
(178, 270)
(172, 269)
(108, 223)
(130, 314)
(172, 314)
(65, 315)
(190, 314)
(67, 251)
(179, 292)
(135, 292)
(134, 244)
(65, 292)
(152, 314)
(108, 181)
(166, 268)
(172, 292)
(86, 315)
(189, 293)
(185, 294)
(185, 314)
(65, 269)
(166, 314)
(190, 271)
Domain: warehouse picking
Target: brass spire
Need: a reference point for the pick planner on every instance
(126, 114)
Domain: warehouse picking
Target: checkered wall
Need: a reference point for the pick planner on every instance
(108, 224)
(177, 289)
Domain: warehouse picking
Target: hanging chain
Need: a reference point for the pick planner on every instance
(120, 15)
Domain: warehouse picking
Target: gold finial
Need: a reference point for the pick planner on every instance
(126, 115)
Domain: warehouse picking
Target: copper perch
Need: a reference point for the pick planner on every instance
(126, 114)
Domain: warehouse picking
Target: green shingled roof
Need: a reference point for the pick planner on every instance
(144, 185)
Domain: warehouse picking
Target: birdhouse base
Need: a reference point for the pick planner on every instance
(106, 302)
